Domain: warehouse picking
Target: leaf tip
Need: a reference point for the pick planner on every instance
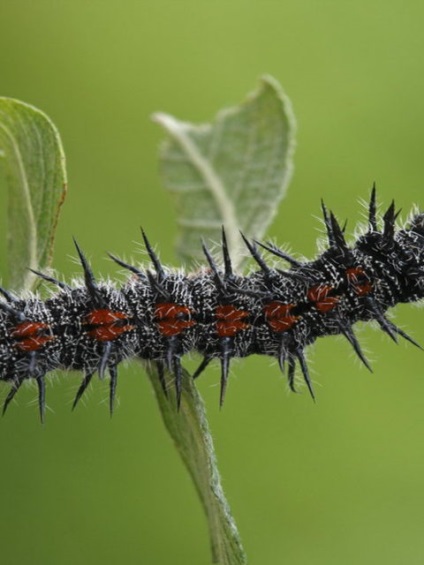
(167, 121)
(270, 83)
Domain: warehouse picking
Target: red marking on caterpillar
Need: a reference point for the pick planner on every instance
(173, 319)
(319, 295)
(160, 316)
(230, 320)
(31, 336)
(107, 325)
(359, 280)
(279, 317)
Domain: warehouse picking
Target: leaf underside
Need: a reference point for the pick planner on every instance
(232, 172)
(33, 165)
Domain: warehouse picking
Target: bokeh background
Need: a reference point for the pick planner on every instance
(341, 481)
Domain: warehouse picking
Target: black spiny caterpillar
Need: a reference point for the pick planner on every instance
(159, 316)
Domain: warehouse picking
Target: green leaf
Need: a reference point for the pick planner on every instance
(33, 161)
(189, 430)
(232, 172)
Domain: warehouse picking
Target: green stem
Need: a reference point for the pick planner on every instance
(189, 430)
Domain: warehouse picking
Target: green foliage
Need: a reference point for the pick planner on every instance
(34, 164)
(231, 172)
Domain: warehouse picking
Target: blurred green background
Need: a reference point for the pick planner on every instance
(341, 481)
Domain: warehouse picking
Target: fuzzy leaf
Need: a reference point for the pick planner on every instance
(232, 172)
(33, 162)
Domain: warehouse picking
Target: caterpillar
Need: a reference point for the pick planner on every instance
(161, 314)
